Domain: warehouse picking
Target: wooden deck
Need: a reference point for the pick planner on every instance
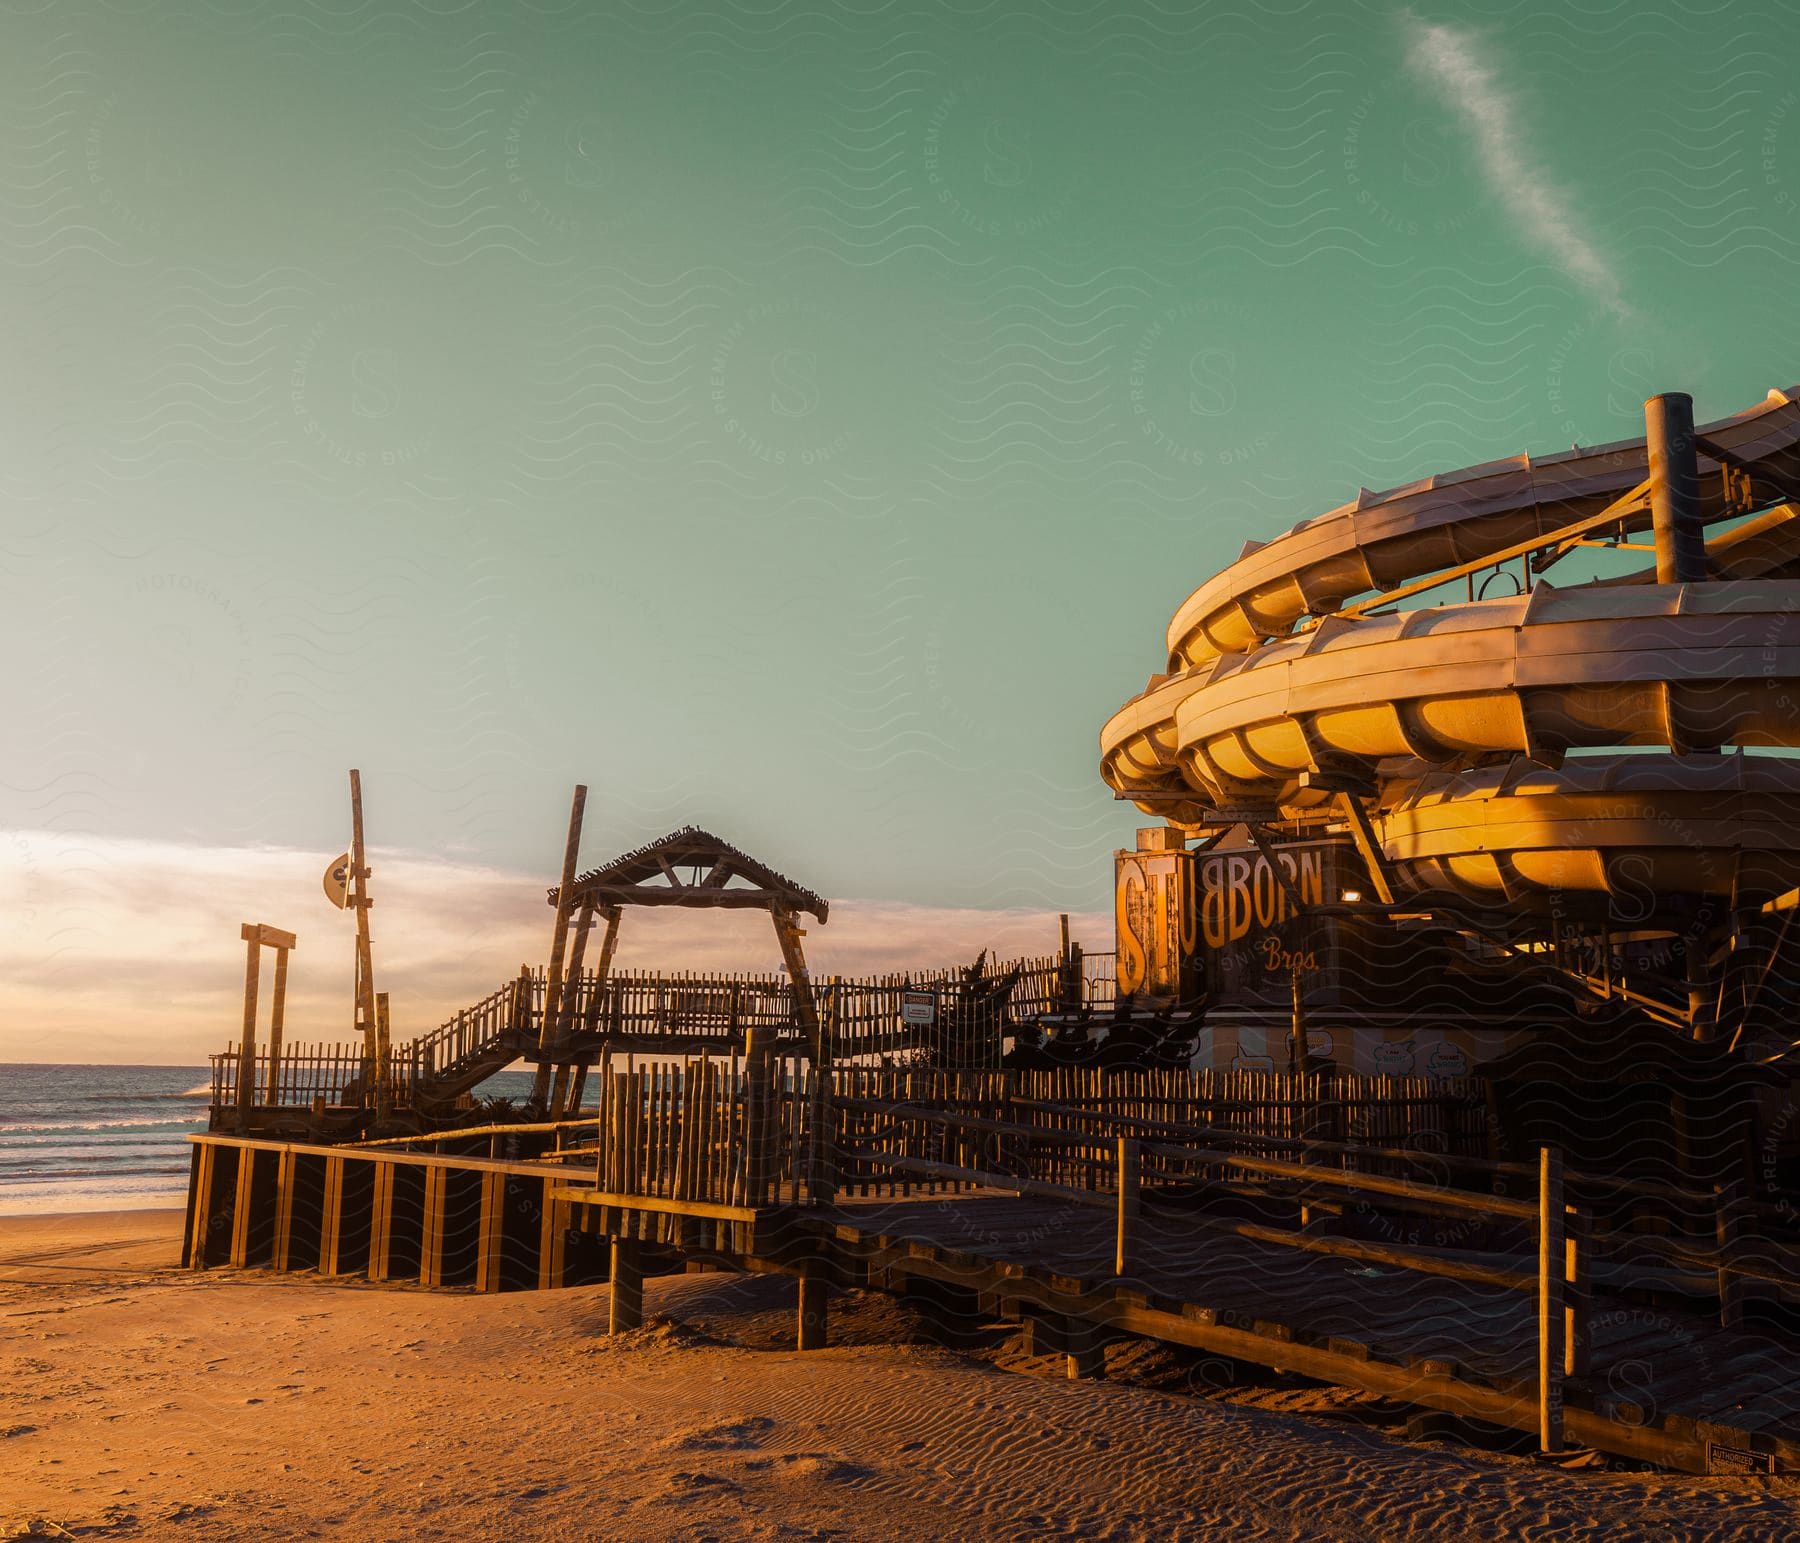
(1664, 1382)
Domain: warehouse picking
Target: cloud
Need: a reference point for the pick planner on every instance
(128, 951)
(1450, 62)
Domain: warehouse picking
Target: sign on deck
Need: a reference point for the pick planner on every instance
(918, 1006)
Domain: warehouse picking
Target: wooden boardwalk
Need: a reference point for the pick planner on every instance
(1666, 1383)
(1540, 1307)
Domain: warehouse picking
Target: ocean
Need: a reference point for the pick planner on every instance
(97, 1138)
(108, 1138)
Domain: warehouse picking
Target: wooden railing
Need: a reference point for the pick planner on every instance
(970, 1020)
(308, 1074)
(891, 1133)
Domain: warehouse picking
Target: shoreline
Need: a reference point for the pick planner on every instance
(139, 1400)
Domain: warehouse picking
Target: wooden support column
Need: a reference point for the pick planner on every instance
(431, 1241)
(331, 1217)
(553, 1238)
(560, 1100)
(1578, 1259)
(491, 1236)
(1727, 1226)
(609, 940)
(788, 933)
(205, 1207)
(627, 1309)
(246, 1087)
(365, 957)
(381, 1223)
(1552, 1266)
(550, 1032)
(287, 1172)
(1086, 1354)
(812, 1329)
(277, 1016)
(1130, 1166)
(242, 1209)
(384, 1074)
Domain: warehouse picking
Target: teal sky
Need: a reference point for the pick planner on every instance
(796, 419)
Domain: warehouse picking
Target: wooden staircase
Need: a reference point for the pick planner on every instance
(476, 1043)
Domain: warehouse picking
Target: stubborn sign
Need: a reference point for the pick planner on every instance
(1239, 890)
(1154, 899)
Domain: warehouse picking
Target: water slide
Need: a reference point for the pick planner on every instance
(1295, 680)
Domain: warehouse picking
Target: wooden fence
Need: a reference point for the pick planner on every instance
(713, 1131)
(1399, 1125)
(970, 1021)
(308, 1073)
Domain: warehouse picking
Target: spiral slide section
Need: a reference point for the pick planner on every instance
(1294, 681)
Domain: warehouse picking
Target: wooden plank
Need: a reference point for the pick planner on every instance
(491, 1237)
(200, 1214)
(1552, 1263)
(431, 1243)
(659, 1204)
(331, 1218)
(1129, 1163)
(243, 1211)
(246, 1081)
(277, 1020)
(286, 1183)
(553, 1229)
(381, 1223)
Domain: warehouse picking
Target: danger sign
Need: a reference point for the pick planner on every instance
(918, 1006)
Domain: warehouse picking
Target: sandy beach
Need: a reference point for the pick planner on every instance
(141, 1401)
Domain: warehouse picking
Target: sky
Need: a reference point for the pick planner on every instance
(796, 419)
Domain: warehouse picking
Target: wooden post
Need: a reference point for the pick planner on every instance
(1727, 1224)
(788, 934)
(491, 1237)
(812, 1334)
(331, 1217)
(563, 1101)
(243, 1215)
(602, 971)
(246, 1088)
(1129, 1174)
(287, 1172)
(1578, 1257)
(384, 1084)
(1552, 1264)
(1085, 1354)
(549, 1033)
(627, 1311)
(365, 959)
(381, 1222)
(553, 1239)
(436, 1220)
(206, 1169)
(277, 1012)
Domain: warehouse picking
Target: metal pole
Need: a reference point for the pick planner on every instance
(1675, 489)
